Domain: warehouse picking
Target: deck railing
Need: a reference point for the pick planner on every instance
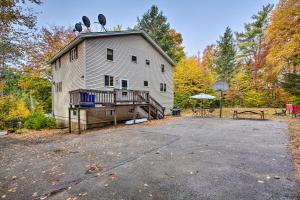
(89, 98)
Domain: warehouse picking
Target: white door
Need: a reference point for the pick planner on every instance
(124, 85)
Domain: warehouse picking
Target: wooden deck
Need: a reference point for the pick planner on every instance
(89, 99)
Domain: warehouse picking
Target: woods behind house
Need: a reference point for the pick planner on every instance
(261, 63)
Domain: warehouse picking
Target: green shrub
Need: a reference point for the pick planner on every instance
(38, 121)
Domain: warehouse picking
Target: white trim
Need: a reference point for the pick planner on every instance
(124, 79)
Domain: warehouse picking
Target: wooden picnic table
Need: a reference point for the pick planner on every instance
(260, 113)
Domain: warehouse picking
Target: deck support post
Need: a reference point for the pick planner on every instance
(149, 112)
(70, 124)
(78, 114)
(115, 105)
(156, 113)
(134, 107)
(115, 116)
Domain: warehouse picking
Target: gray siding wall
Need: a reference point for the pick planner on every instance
(123, 68)
(70, 75)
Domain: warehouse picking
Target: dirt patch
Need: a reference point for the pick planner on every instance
(48, 135)
(294, 132)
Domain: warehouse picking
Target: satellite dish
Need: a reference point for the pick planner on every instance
(102, 19)
(86, 21)
(78, 27)
(220, 86)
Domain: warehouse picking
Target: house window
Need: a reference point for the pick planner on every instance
(73, 54)
(110, 54)
(108, 81)
(124, 84)
(131, 110)
(109, 112)
(162, 68)
(163, 87)
(58, 87)
(146, 84)
(134, 59)
(147, 62)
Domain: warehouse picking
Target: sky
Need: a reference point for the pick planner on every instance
(201, 22)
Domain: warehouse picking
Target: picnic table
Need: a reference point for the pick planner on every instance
(236, 113)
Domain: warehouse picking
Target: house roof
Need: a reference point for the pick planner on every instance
(82, 36)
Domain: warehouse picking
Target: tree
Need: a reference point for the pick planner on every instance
(225, 58)
(36, 79)
(251, 41)
(291, 83)
(283, 37)
(155, 24)
(242, 93)
(17, 23)
(208, 57)
(190, 79)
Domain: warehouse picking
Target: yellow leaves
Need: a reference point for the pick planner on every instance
(191, 78)
(19, 110)
(283, 36)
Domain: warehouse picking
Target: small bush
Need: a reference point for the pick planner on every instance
(39, 121)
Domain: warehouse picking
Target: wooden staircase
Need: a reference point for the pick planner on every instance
(157, 111)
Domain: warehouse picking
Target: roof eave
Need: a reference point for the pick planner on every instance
(81, 37)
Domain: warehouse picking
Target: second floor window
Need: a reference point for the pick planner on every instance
(134, 59)
(146, 84)
(110, 54)
(108, 81)
(73, 54)
(147, 62)
(58, 87)
(163, 87)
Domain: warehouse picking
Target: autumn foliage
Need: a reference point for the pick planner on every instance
(261, 63)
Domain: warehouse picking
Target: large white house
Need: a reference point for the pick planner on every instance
(111, 76)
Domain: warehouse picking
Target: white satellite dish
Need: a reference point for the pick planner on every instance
(220, 86)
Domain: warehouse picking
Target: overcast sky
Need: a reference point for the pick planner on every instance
(201, 22)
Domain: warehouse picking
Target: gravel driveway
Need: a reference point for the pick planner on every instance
(189, 158)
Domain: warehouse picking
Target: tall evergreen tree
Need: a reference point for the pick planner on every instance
(225, 58)
(251, 44)
(157, 26)
(291, 84)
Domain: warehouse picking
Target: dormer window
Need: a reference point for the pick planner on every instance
(134, 59)
(110, 54)
(73, 54)
(147, 62)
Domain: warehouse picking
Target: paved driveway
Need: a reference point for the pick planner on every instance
(185, 159)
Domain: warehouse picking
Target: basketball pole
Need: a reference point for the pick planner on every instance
(221, 97)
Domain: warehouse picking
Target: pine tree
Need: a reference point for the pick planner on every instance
(225, 59)
(251, 44)
(156, 25)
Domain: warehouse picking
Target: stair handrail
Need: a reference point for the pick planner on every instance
(156, 104)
